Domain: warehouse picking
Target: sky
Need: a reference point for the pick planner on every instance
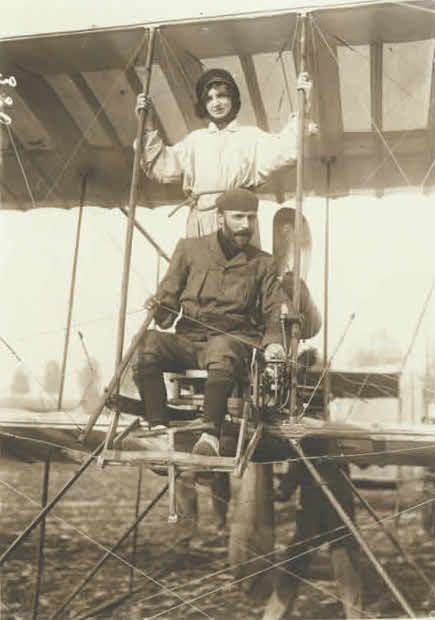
(25, 17)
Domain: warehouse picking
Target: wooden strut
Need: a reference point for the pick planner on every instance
(43, 513)
(326, 380)
(135, 531)
(109, 553)
(72, 291)
(353, 529)
(405, 555)
(41, 546)
(295, 333)
(134, 188)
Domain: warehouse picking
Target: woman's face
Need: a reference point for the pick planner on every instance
(218, 103)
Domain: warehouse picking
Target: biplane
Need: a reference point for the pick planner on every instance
(67, 135)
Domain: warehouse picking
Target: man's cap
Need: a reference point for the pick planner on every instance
(237, 200)
(214, 76)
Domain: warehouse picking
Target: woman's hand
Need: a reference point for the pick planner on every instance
(142, 103)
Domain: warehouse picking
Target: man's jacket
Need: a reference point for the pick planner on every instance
(239, 295)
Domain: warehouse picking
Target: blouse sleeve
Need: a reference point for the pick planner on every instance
(165, 164)
(275, 150)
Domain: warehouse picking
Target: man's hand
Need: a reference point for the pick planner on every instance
(151, 303)
(274, 352)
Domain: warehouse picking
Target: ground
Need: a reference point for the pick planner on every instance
(101, 506)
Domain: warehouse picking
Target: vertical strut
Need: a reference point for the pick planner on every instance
(39, 574)
(134, 541)
(326, 384)
(72, 290)
(295, 334)
(134, 187)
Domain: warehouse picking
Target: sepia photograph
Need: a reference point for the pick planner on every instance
(217, 318)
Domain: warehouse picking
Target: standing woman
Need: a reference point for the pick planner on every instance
(224, 155)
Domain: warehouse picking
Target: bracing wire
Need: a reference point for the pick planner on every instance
(273, 565)
(279, 564)
(33, 376)
(374, 124)
(106, 549)
(21, 165)
(167, 48)
(102, 106)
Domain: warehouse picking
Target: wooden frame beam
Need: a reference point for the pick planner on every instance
(99, 113)
(327, 108)
(430, 131)
(376, 100)
(181, 76)
(254, 91)
(50, 111)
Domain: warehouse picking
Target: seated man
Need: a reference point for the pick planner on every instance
(230, 298)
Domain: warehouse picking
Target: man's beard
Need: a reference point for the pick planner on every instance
(237, 239)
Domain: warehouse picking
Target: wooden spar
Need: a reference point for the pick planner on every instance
(134, 188)
(72, 291)
(405, 555)
(326, 383)
(109, 553)
(353, 529)
(134, 541)
(121, 367)
(40, 569)
(295, 334)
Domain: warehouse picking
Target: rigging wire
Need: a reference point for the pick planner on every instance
(21, 165)
(404, 90)
(418, 325)
(44, 393)
(106, 549)
(373, 122)
(409, 349)
(167, 49)
(328, 365)
(93, 121)
(280, 563)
